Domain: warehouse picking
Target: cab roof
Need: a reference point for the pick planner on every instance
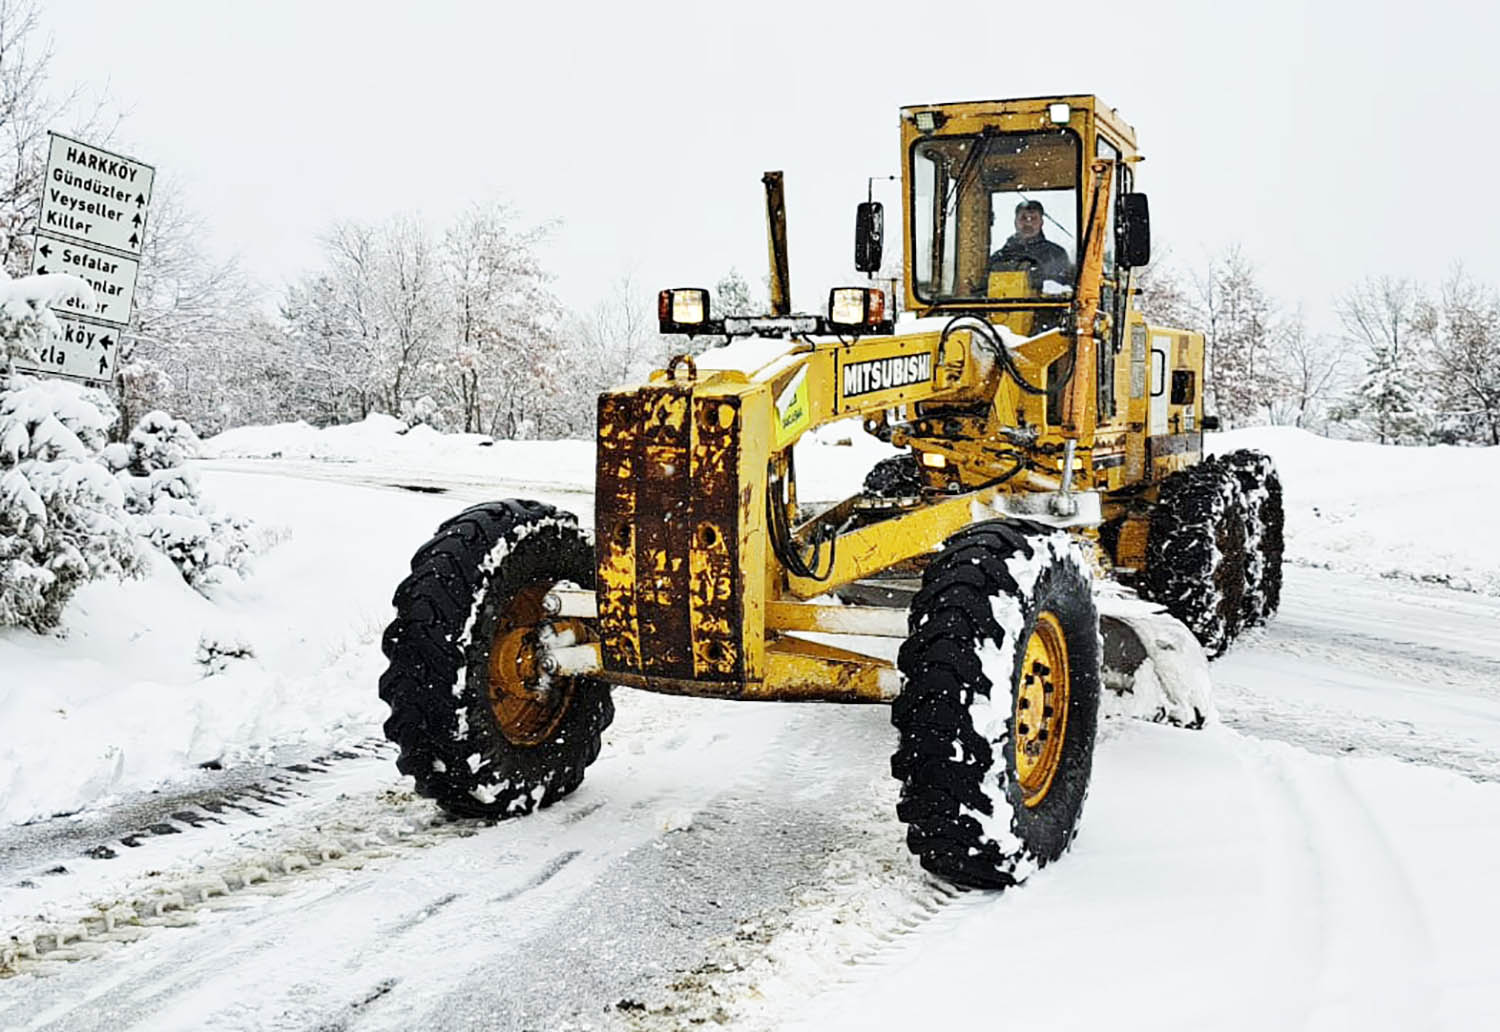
(1102, 112)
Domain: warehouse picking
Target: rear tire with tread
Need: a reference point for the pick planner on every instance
(1265, 540)
(1195, 553)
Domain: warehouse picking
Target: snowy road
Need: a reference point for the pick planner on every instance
(743, 863)
(1372, 667)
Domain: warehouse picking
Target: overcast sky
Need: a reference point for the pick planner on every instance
(1333, 140)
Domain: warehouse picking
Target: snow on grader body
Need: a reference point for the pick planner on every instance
(1052, 462)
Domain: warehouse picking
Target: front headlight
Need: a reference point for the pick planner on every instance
(682, 309)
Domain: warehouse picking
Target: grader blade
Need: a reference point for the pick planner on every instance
(1151, 660)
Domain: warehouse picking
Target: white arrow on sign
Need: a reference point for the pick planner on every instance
(112, 277)
(95, 195)
(85, 351)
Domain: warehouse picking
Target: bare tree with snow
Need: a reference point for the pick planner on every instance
(1311, 367)
(1238, 320)
(613, 343)
(1466, 356)
(192, 347)
(502, 327)
(1164, 293)
(29, 107)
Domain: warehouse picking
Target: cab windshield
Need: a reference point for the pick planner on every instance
(995, 216)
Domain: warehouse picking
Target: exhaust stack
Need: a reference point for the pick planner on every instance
(781, 277)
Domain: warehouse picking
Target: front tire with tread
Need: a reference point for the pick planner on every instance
(964, 800)
(449, 613)
(897, 476)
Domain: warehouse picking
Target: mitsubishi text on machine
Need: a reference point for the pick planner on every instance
(884, 374)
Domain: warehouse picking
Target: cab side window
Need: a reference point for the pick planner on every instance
(1109, 152)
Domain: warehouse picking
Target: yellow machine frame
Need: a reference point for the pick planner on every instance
(706, 579)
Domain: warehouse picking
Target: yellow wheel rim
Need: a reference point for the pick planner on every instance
(1041, 716)
(527, 707)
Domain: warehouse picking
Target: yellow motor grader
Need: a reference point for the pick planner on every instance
(1050, 447)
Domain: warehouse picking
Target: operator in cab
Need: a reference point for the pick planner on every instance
(1028, 248)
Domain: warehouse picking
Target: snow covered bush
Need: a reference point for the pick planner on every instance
(422, 412)
(26, 319)
(22, 328)
(75, 508)
(62, 515)
(167, 509)
(160, 442)
(215, 650)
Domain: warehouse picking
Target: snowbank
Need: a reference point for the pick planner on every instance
(385, 441)
(1414, 512)
(143, 683)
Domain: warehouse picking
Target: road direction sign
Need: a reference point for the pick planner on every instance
(85, 351)
(112, 277)
(95, 195)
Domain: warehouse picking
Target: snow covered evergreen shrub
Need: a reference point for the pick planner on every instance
(22, 327)
(62, 515)
(73, 507)
(26, 319)
(160, 442)
(168, 510)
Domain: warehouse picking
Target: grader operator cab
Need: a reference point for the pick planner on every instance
(1050, 463)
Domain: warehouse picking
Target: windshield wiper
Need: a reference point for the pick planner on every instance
(981, 144)
(1061, 228)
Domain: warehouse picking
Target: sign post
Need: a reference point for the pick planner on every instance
(92, 225)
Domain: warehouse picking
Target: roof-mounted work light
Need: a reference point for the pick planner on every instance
(856, 309)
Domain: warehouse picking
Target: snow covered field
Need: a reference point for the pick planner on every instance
(1325, 860)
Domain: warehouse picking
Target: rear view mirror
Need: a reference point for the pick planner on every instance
(869, 236)
(1133, 237)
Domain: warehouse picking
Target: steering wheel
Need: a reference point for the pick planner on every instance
(1016, 262)
(1020, 261)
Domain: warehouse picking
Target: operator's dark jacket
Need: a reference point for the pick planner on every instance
(1051, 260)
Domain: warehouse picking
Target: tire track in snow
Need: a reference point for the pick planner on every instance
(864, 906)
(1346, 924)
(547, 873)
(176, 900)
(1294, 928)
(1352, 665)
(299, 960)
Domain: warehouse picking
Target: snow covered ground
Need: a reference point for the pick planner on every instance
(725, 862)
(1403, 512)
